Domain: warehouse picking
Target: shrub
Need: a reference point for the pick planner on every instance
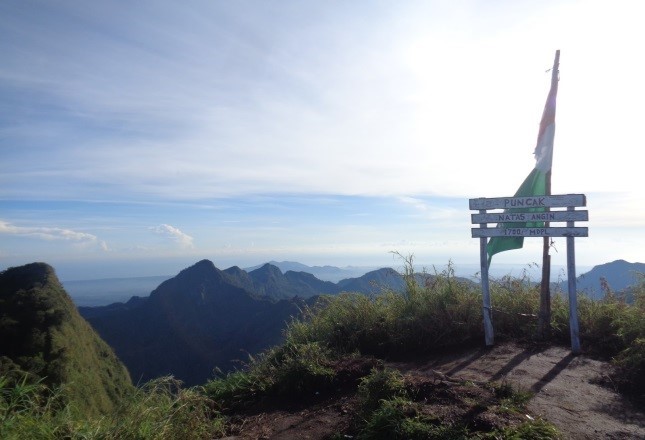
(299, 368)
(532, 430)
(630, 375)
(162, 409)
(399, 418)
(237, 390)
(378, 386)
(287, 370)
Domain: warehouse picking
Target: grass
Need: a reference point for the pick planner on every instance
(511, 398)
(443, 313)
(400, 418)
(162, 409)
(380, 385)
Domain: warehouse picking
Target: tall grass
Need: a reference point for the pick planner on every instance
(437, 313)
(282, 372)
(161, 409)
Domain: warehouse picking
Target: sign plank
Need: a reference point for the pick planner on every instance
(547, 216)
(557, 201)
(530, 232)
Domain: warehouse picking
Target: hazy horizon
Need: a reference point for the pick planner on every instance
(468, 270)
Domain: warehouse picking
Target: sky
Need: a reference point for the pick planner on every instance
(138, 137)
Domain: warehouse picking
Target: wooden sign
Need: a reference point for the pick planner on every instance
(520, 213)
(558, 201)
(520, 217)
(509, 231)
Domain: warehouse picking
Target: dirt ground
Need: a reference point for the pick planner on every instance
(567, 392)
(566, 387)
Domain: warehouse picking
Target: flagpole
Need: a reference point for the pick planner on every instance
(544, 316)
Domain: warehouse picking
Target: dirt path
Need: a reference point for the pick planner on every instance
(315, 422)
(564, 385)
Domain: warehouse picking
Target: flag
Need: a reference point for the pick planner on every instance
(535, 183)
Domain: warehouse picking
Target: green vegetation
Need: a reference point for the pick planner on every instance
(441, 314)
(159, 410)
(400, 418)
(629, 324)
(392, 408)
(279, 373)
(46, 340)
(380, 385)
(340, 343)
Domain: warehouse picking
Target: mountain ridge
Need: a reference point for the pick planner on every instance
(191, 324)
(105, 292)
(205, 317)
(619, 276)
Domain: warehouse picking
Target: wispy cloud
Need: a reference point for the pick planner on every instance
(255, 110)
(185, 241)
(437, 210)
(415, 202)
(49, 234)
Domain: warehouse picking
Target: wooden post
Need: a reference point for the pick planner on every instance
(486, 307)
(544, 316)
(573, 294)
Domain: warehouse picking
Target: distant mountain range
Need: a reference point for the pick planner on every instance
(207, 317)
(619, 276)
(325, 273)
(100, 292)
(192, 323)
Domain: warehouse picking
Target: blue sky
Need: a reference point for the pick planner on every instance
(139, 137)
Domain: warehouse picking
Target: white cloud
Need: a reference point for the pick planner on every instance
(417, 203)
(185, 241)
(49, 234)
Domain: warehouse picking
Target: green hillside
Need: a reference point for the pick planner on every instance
(43, 336)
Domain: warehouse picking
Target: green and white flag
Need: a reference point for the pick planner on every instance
(535, 183)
